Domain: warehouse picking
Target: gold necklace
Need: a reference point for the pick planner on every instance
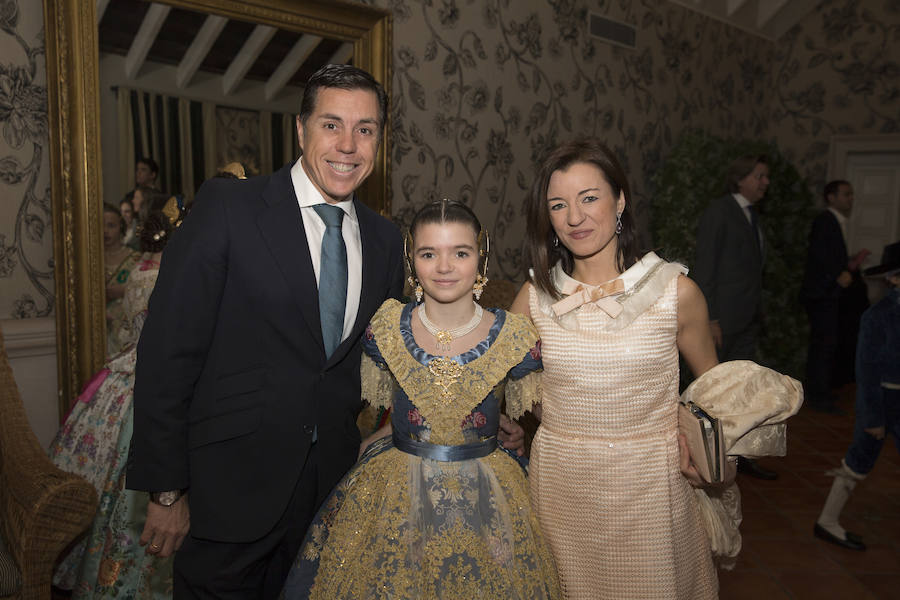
(445, 337)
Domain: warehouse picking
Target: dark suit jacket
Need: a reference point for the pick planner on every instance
(728, 266)
(231, 375)
(825, 260)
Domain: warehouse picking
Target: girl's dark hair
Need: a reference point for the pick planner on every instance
(446, 211)
(126, 201)
(154, 200)
(155, 232)
(541, 251)
(109, 208)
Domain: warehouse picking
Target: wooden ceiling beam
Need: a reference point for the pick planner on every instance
(342, 55)
(245, 58)
(101, 8)
(144, 38)
(199, 48)
(289, 65)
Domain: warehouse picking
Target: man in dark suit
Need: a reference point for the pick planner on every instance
(729, 266)
(834, 296)
(247, 382)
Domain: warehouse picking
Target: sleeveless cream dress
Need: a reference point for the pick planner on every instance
(621, 519)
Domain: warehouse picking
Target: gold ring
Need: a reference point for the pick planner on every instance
(155, 547)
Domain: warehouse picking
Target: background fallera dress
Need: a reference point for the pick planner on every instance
(93, 443)
(622, 520)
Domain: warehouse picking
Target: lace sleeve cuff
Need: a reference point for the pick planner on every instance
(377, 383)
(522, 394)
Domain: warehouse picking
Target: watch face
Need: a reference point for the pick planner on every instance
(168, 498)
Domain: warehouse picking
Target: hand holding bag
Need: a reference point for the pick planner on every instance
(752, 404)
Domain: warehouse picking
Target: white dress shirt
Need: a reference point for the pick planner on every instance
(308, 196)
(842, 221)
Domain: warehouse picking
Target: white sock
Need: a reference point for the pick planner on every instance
(844, 482)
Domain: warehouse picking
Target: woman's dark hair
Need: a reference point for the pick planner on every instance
(128, 202)
(109, 208)
(155, 232)
(542, 249)
(343, 77)
(446, 211)
(741, 167)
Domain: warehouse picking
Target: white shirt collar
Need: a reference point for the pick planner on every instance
(742, 202)
(842, 220)
(308, 195)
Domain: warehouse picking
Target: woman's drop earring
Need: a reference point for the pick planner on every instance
(618, 223)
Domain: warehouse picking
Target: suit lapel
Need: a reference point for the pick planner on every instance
(739, 216)
(282, 229)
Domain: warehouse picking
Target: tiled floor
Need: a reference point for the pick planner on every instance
(780, 557)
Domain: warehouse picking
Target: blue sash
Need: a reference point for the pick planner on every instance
(445, 453)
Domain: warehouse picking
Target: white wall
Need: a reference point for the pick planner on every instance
(31, 347)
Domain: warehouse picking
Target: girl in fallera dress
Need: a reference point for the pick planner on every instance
(434, 508)
(93, 443)
(610, 477)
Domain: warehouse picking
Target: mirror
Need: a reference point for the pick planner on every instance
(81, 167)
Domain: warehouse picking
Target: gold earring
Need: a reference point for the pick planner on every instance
(478, 286)
(417, 288)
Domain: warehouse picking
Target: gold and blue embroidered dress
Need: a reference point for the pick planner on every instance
(448, 516)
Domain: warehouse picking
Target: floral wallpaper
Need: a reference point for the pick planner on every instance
(838, 72)
(26, 244)
(482, 88)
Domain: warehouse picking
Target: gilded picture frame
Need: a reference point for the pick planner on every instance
(73, 97)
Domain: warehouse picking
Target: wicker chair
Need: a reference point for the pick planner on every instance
(42, 509)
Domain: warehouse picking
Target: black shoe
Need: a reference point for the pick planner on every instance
(750, 467)
(852, 542)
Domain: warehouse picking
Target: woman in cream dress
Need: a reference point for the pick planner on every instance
(610, 478)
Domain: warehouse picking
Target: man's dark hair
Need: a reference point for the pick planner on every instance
(154, 168)
(344, 77)
(832, 188)
(741, 167)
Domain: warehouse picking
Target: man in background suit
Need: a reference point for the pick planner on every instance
(247, 382)
(834, 296)
(729, 265)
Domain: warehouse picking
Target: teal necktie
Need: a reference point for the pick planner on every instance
(332, 277)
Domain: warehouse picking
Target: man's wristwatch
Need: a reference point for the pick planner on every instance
(166, 498)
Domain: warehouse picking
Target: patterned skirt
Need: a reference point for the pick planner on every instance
(400, 526)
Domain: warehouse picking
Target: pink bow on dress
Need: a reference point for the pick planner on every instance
(600, 296)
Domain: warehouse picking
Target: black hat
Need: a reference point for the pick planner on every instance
(890, 261)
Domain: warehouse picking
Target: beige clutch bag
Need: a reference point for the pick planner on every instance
(705, 440)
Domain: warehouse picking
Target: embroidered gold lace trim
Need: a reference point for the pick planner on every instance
(377, 384)
(522, 394)
(476, 380)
